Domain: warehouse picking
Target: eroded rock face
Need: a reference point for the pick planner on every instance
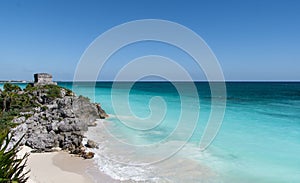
(85, 111)
(58, 123)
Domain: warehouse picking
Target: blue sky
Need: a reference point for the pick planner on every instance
(253, 40)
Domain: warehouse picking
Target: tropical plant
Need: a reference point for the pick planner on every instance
(11, 87)
(7, 95)
(12, 168)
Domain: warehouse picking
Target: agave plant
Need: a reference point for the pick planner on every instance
(11, 167)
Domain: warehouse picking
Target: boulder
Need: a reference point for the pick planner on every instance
(18, 132)
(91, 144)
(64, 127)
(41, 141)
(102, 113)
(19, 120)
(88, 155)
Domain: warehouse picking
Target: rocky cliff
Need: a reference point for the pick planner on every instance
(57, 119)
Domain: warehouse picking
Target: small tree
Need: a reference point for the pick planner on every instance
(6, 96)
(8, 87)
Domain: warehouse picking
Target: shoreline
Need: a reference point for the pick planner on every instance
(62, 167)
(85, 167)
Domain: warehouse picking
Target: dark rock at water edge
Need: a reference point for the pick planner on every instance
(102, 113)
(88, 155)
(91, 144)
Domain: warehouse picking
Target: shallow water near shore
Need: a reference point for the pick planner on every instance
(258, 140)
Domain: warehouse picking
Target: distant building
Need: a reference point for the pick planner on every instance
(43, 79)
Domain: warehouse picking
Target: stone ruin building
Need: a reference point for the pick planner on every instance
(43, 79)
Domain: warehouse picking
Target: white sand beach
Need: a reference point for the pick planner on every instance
(59, 167)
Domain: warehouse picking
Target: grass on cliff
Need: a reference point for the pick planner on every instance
(51, 91)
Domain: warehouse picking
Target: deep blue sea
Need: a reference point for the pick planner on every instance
(259, 140)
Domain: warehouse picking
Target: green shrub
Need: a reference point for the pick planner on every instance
(8, 87)
(53, 91)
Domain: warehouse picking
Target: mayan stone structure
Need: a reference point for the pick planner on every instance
(43, 79)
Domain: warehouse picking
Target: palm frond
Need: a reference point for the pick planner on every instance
(11, 167)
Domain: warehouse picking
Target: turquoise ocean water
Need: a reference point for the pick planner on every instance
(259, 140)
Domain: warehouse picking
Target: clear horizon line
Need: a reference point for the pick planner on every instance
(182, 81)
(30, 81)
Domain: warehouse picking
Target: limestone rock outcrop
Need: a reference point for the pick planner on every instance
(57, 122)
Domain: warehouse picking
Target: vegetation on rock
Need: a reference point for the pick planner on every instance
(14, 100)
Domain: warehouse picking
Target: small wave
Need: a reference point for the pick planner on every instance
(105, 159)
(187, 164)
(124, 172)
(124, 117)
